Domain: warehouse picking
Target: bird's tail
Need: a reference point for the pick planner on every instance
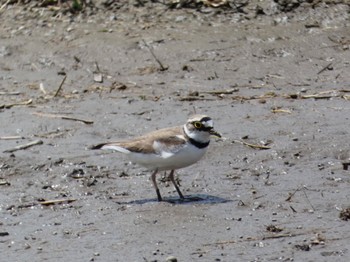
(111, 146)
(98, 146)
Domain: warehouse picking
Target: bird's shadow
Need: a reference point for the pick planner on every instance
(189, 199)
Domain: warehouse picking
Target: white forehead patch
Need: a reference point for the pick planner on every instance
(208, 123)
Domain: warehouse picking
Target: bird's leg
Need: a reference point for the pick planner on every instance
(154, 181)
(172, 179)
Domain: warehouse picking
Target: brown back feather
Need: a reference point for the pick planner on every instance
(144, 144)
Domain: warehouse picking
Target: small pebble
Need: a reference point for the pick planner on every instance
(98, 78)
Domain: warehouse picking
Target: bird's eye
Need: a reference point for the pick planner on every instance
(198, 125)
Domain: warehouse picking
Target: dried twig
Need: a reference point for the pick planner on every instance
(162, 68)
(327, 94)
(60, 86)
(4, 5)
(282, 235)
(9, 93)
(255, 146)
(11, 137)
(289, 198)
(307, 198)
(272, 236)
(302, 188)
(25, 146)
(194, 98)
(279, 110)
(56, 201)
(265, 96)
(88, 122)
(222, 92)
(321, 95)
(324, 68)
(293, 209)
(223, 242)
(24, 103)
(97, 67)
(317, 96)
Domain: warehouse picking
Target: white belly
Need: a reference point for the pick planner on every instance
(169, 161)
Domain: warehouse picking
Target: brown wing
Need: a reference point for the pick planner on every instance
(167, 138)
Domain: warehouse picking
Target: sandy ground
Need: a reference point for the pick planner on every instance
(279, 82)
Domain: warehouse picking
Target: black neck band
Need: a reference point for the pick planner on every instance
(198, 144)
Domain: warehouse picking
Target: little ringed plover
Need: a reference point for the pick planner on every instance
(169, 148)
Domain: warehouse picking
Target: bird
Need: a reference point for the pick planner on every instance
(169, 148)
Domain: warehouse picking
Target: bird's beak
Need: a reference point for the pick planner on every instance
(214, 133)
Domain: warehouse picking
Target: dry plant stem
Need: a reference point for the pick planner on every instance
(222, 92)
(292, 208)
(60, 87)
(56, 201)
(273, 236)
(281, 111)
(306, 196)
(324, 69)
(308, 200)
(9, 93)
(317, 96)
(162, 68)
(4, 5)
(321, 95)
(194, 98)
(11, 137)
(88, 122)
(252, 145)
(282, 235)
(21, 147)
(292, 194)
(24, 103)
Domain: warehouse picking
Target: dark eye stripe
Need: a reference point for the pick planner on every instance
(204, 128)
